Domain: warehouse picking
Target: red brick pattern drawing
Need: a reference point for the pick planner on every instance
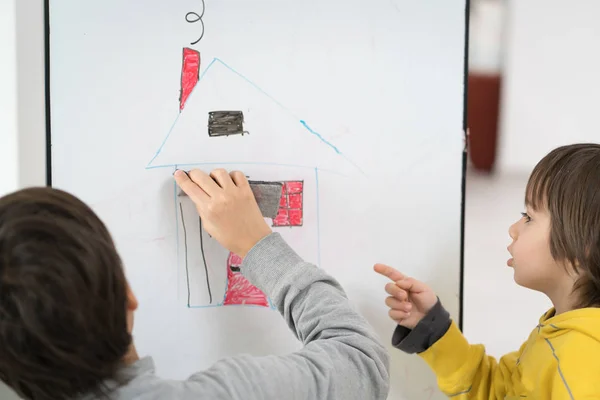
(291, 205)
(239, 290)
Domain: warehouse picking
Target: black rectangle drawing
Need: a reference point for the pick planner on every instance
(225, 123)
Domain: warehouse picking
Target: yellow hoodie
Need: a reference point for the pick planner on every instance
(560, 360)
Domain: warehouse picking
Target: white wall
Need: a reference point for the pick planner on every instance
(8, 98)
(22, 117)
(486, 29)
(8, 111)
(552, 84)
(22, 91)
(31, 93)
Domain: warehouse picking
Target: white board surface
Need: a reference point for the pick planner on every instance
(357, 106)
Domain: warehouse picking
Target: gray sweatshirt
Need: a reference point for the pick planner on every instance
(341, 359)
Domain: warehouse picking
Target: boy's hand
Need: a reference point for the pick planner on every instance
(410, 300)
(227, 207)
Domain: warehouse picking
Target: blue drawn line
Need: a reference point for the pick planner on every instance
(254, 85)
(318, 219)
(165, 140)
(321, 138)
(243, 163)
(214, 60)
(178, 115)
(355, 165)
(176, 235)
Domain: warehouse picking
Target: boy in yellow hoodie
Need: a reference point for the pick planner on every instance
(555, 249)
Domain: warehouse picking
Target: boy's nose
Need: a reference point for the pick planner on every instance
(512, 231)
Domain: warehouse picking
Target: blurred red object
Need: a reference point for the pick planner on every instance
(483, 108)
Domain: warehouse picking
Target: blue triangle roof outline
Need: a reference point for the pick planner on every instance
(255, 86)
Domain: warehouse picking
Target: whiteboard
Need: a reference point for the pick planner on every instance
(356, 107)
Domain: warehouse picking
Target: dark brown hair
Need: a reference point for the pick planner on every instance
(63, 297)
(566, 183)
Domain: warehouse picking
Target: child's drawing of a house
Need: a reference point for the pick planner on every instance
(226, 120)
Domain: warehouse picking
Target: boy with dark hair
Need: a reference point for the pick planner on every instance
(555, 249)
(66, 310)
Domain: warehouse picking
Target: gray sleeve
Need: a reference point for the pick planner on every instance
(341, 359)
(428, 331)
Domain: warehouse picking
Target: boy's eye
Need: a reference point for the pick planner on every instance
(526, 216)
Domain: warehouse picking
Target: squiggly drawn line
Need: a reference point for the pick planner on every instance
(196, 18)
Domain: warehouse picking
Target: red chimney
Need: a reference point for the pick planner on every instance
(190, 71)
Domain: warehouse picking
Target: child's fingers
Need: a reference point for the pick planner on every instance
(194, 192)
(388, 271)
(398, 315)
(396, 304)
(395, 291)
(411, 285)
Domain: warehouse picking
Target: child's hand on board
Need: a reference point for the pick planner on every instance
(410, 300)
(227, 207)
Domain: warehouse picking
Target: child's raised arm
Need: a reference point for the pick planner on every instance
(424, 327)
(341, 356)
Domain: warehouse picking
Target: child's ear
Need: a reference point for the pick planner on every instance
(132, 303)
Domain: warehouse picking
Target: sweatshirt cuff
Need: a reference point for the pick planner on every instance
(268, 262)
(427, 332)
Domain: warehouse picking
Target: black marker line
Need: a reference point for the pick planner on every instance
(198, 18)
(187, 271)
(465, 156)
(47, 93)
(204, 260)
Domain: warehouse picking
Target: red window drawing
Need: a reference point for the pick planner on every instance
(290, 205)
(239, 290)
(190, 71)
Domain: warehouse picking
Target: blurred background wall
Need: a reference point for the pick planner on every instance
(534, 85)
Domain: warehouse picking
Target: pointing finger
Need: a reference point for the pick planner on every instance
(389, 272)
